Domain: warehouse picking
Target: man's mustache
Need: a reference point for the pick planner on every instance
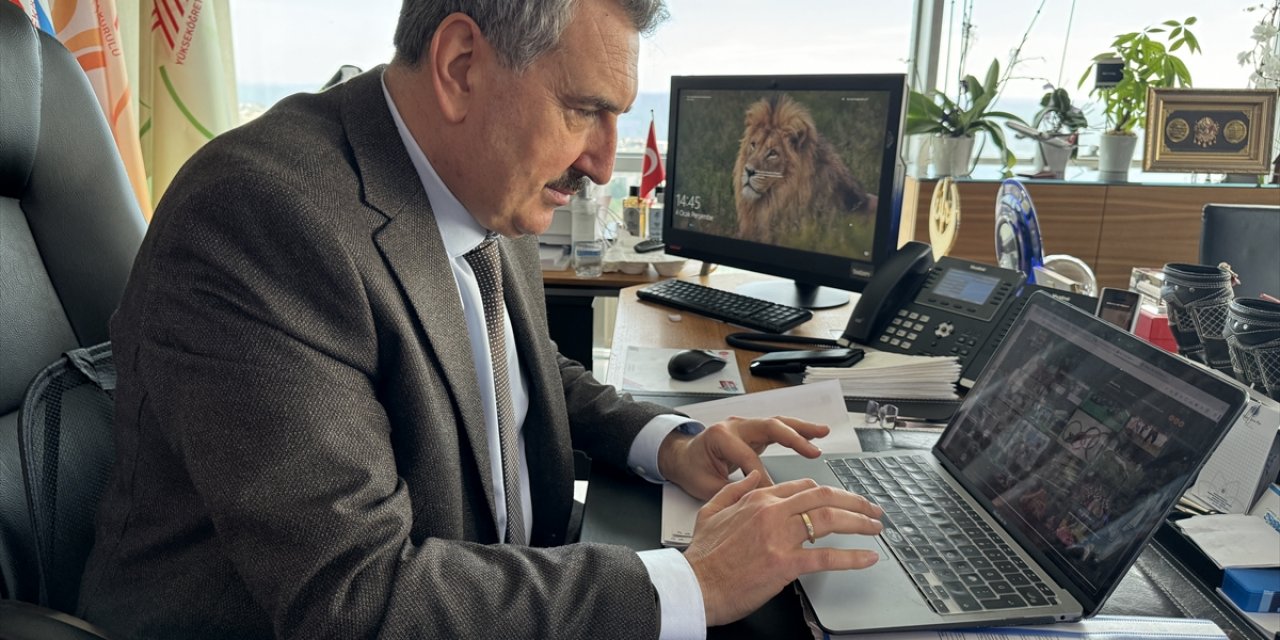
(573, 180)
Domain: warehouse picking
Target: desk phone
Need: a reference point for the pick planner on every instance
(948, 308)
(954, 312)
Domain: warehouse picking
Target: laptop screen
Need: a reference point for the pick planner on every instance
(1081, 437)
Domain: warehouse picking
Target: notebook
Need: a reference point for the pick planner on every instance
(1063, 459)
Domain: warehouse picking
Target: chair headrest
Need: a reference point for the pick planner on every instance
(21, 77)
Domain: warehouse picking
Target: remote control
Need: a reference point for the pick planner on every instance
(645, 246)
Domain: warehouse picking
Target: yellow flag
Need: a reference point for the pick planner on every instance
(187, 86)
(90, 30)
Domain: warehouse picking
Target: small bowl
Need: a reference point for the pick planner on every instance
(670, 269)
(633, 268)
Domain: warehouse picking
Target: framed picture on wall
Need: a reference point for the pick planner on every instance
(1209, 130)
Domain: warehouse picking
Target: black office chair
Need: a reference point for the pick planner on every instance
(1246, 237)
(69, 230)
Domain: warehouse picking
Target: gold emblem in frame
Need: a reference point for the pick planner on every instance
(1236, 131)
(1210, 130)
(1206, 131)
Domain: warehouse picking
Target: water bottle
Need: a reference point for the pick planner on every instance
(655, 214)
(588, 248)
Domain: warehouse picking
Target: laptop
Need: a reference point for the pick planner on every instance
(1066, 455)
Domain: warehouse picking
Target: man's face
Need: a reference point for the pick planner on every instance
(537, 133)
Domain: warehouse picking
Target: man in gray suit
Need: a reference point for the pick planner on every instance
(339, 413)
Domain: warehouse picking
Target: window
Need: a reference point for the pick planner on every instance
(1066, 36)
(749, 37)
(287, 46)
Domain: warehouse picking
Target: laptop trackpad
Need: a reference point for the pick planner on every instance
(879, 597)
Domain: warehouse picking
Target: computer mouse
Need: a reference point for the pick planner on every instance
(694, 364)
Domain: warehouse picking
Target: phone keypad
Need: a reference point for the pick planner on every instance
(913, 331)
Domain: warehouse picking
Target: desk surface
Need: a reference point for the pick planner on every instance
(650, 324)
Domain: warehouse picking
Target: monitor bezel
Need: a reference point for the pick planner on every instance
(805, 267)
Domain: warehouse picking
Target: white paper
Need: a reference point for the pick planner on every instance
(1231, 478)
(882, 374)
(822, 403)
(645, 370)
(1232, 540)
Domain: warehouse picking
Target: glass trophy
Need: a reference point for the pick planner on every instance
(1018, 243)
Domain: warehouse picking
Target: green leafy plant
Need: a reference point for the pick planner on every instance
(1147, 62)
(969, 113)
(1057, 115)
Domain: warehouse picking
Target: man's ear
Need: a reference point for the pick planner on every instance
(453, 58)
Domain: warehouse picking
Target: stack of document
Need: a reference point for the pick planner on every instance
(894, 376)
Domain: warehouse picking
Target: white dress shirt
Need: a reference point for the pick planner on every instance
(679, 596)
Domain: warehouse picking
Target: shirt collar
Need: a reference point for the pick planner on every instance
(458, 228)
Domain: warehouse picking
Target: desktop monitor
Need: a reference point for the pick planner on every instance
(794, 176)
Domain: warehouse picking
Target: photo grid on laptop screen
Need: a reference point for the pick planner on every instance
(1079, 444)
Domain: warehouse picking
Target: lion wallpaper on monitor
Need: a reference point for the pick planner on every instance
(800, 163)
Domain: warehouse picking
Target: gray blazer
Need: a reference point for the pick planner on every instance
(301, 449)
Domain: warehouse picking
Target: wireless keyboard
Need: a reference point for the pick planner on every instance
(730, 307)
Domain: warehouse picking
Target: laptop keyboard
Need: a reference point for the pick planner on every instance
(959, 564)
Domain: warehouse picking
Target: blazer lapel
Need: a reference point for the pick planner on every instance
(411, 245)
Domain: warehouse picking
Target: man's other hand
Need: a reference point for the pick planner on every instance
(701, 464)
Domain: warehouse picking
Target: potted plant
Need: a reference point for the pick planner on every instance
(953, 123)
(1145, 62)
(1062, 122)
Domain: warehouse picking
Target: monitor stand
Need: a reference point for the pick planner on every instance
(795, 294)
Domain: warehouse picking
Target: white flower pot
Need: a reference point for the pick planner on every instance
(1053, 159)
(1115, 154)
(952, 155)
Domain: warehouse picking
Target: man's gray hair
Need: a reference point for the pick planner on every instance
(520, 30)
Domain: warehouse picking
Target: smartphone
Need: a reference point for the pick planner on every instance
(795, 361)
(1119, 307)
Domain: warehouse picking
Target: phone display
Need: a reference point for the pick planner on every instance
(1119, 307)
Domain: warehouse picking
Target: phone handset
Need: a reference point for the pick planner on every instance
(893, 284)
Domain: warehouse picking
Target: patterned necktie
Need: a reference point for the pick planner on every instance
(484, 261)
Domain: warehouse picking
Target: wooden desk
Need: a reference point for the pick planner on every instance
(649, 324)
(569, 304)
(623, 509)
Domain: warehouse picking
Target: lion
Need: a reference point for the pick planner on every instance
(788, 175)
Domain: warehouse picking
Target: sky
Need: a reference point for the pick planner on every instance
(292, 45)
(304, 41)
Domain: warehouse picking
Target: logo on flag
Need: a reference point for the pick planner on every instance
(653, 173)
(176, 22)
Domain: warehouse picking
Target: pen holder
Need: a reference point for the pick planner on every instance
(1252, 334)
(1196, 298)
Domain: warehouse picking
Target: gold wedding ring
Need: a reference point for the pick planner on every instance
(808, 527)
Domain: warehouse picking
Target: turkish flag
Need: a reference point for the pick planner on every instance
(653, 173)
